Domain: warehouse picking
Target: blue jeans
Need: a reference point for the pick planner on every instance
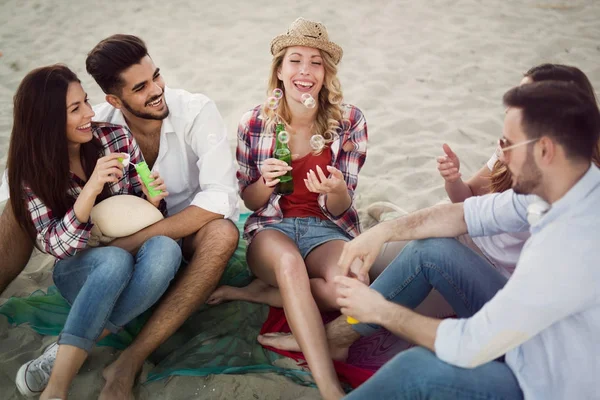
(107, 287)
(467, 281)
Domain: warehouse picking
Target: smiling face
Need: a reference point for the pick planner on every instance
(79, 115)
(143, 91)
(301, 72)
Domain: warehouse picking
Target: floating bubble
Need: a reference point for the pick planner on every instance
(306, 96)
(272, 103)
(277, 93)
(283, 137)
(317, 142)
(309, 103)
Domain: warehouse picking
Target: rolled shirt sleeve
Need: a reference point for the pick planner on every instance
(218, 187)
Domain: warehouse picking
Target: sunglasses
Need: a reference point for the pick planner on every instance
(504, 145)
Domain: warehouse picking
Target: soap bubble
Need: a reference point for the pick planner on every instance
(317, 142)
(283, 137)
(272, 103)
(277, 93)
(308, 101)
(306, 96)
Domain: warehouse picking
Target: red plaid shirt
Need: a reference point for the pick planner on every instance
(64, 236)
(255, 146)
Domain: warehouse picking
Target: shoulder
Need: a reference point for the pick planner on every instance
(352, 114)
(111, 133)
(252, 121)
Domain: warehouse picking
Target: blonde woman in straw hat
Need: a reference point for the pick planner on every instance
(296, 240)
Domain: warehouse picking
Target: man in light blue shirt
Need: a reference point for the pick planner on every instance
(545, 321)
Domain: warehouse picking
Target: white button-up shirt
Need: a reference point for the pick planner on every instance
(547, 317)
(194, 158)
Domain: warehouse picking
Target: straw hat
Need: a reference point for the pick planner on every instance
(303, 32)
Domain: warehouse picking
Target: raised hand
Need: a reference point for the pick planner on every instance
(449, 165)
(108, 170)
(317, 182)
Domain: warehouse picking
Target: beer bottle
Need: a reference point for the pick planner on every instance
(283, 153)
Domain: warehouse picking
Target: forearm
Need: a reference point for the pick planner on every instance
(409, 325)
(337, 203)
(446, 220)
(84, 204)
(458, 191)
(257, 194)
(186, 222)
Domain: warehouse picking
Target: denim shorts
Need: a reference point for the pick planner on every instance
(309, 232)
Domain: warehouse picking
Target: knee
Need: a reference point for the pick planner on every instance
(116, 263)
(163, 251)
(291, 269)
(222, 233)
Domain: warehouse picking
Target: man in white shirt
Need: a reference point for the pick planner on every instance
(183, 137)
(545, 320)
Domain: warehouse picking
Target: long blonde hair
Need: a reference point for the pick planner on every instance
(330, 99)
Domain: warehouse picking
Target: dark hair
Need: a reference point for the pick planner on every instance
(38, 154)
(561, 111)
(501, 179)
(112, 56)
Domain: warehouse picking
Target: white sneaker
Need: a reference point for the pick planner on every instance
(33, 376)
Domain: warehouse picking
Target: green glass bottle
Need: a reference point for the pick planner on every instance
(283, 153)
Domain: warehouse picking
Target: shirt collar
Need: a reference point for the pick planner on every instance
(574, 196)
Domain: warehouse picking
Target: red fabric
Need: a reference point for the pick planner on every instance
(303, 203)
(351, 374)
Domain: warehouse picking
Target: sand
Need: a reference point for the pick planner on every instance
(423, 73)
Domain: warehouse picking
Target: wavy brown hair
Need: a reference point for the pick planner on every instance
(38, 155)
(501, 178)
(330, 112)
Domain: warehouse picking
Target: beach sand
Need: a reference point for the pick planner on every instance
(423, 73)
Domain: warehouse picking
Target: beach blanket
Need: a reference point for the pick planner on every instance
(216, 339)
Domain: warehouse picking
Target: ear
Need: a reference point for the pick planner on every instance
(547, 150)
(279, 74)
(114, 101)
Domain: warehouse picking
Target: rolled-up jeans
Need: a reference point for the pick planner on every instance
(467, 281)
(107, 287)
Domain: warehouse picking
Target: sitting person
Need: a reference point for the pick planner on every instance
(295, 240)
(61, 164)
(183, 136)
(545, 320)
(501, 250)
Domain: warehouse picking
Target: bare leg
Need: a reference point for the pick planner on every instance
(208, 250)
(275, 259)
(15, 247)
(257, 292)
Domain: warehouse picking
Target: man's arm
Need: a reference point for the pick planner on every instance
(445, 220)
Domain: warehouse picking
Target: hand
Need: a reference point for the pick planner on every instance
(365, 247)
(272, 169)
(449, 165)
(357, 300)
(321, 184)
(108, 169)
(158, 184)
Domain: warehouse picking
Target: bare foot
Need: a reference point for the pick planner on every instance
(120, 378)
(340, 336)
(257, 291)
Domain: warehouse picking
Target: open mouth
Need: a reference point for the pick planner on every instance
(84, 127)
(156, 103)
(303, 86)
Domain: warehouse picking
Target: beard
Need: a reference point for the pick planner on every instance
(147, 115)
(530, 177)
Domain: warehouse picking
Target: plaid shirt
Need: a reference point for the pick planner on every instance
(255, 146)
(64, 236)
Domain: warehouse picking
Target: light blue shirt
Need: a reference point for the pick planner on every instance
(547, 317)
